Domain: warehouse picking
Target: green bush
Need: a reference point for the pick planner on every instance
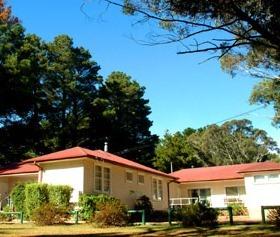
(159, 216)
(88, 204)
(111, 214)
(274, 216)
(144, 203)
(18, 197)
(199, 214)
(238, 209)
(35, 195)
(59, 195)
(50, 214)
(6, 217)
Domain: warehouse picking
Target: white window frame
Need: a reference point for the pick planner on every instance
(141, 174)
(158, 195)
(128, 180)
(263, 181)
(103, 179)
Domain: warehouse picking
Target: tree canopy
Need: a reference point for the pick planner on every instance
(53, 97)
(233, 142)
(243, 35)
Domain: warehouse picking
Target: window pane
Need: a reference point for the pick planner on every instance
(107, 180)
(273, 177)
(259, 179)
(98, 178)
(231, 191)
(160, 192)
(241, 190)
(155, 189)
(141, 179)
(205, 192)
(129, 176)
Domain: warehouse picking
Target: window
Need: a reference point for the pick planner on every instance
(141, 179)
(273, 178)
(201, 193)
(129, 176)
(235, 191)
(259, 179)
(157, 189)
(102, 179)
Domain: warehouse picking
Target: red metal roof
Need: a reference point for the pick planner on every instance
(79, 152)
(226, 172)
(19, 168)
(261, 166)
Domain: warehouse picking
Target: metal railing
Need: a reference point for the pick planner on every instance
(175, 202)
(234, 199)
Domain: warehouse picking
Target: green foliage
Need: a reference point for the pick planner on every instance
(49, 214)
(274, 216)
(233, 142)
(111, 214)
(59, 195)
(238, 209)
(18, 197)
(199, 214)
(89, 204)
(36, 195)
(144, 203)
(6, 217)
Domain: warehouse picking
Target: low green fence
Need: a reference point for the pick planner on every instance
(263, 208)
(143, 217)
(19, 214)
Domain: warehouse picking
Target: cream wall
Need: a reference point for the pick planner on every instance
(65, 173)
(127, 192)
(258, 195)
(218, 192)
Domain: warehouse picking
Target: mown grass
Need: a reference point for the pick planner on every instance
(87, 230)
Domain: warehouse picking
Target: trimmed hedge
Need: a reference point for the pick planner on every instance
(30, 196)
(89, 204)
(18, 197)
(59, 195)
(35, 195)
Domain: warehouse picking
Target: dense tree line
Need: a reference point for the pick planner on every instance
(233, 142)
(53, 97)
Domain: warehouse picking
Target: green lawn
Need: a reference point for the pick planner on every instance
(86, 230)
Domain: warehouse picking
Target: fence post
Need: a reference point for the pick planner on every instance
(21, 217)
(76, 217)
(263, 214)
(143, 217)
(230, 213)
(169, 210)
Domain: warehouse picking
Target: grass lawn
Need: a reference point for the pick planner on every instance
(86, 230)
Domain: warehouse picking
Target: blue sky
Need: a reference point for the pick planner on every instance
(182, 91)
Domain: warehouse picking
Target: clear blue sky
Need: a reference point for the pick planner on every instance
(182, 92)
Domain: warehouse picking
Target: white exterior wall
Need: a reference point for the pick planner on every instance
(218, 190)
(65, 173)
(258, 195)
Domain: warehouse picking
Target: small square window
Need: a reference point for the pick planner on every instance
(273, 177)
(259, 179)
(141, 179)
(129, 176)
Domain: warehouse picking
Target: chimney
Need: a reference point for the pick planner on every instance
(106, 146)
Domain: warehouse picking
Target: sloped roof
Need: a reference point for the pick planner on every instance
(19, 168)
(227, 172)
(261, 166)
(79, 152)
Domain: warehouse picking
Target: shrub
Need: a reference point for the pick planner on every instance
(49, 214)
(6, 217)
(238, 209)
(35, 195)
(88, 204)
(199, 214)
(18, 197)
(59, 195)
(159, 216)
(144, 203)
(274, 216)
(110, 214)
